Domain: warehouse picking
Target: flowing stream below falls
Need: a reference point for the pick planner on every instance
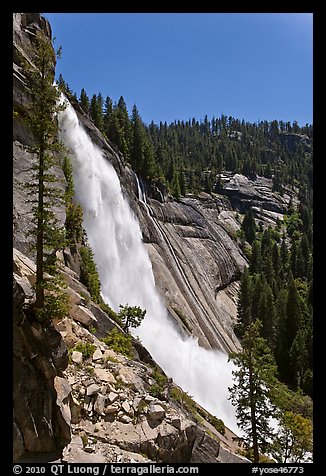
(126, 275)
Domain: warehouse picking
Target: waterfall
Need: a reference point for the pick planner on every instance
(126, 275)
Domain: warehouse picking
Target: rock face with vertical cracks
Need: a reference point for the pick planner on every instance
(197, 265)
(39, 357)
(25, 27)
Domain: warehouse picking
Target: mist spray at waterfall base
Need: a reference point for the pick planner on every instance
(127, 278)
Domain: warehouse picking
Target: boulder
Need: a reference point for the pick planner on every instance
(126, 407)
(97, 356)
(156, 412)
(125, 419)
(22, 265)
(104, 375)
(83, 315)
(176, 422)
(63, 389)
(111, 409)
(92, 389)
(77, 357)
(129, 377)
(113, 397)
(99, 404)
(73, 296)
(64, 326)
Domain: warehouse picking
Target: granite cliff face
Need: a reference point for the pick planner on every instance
(25, 27)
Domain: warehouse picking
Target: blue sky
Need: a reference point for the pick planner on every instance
(252, 66)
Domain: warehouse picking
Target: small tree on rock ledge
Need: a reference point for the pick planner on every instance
(131, 316)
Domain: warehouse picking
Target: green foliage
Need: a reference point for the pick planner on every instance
(119, 342)
(43, 191)
(248, 226)
(158, 387)
(109, 358)
(84, 439)
(217, 423)
(275, 290)
(89, 274)
(244, 303)
(110, 312)
(250, 394)
(96, 110)
(85, 348)
(67, 170)
(155, 390)
(84, 101)
(184, 399)
(293, 223)
(294, 411)
(130, 316)
(294, 440)
(74, 224)
(74, 212)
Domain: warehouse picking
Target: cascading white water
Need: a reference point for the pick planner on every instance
(127, 278)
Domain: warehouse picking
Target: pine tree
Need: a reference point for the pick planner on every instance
(266, 243)
(250, 394)
(84, 101)
(137, 147)
(175, 186)
(108, 108)
(96, 110)
(259, 285)
(281, 350)
(131, 316)
(248, 226)
(294, 259)
(268, 317)
(291, 326)
(182, 182)
(41, 119)
(61, 83)
(256, 261)
(244, 304)
(125, 128)
(306, 255)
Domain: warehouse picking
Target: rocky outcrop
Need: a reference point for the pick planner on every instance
(116, 418)
(40, 394)
(245, 193)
